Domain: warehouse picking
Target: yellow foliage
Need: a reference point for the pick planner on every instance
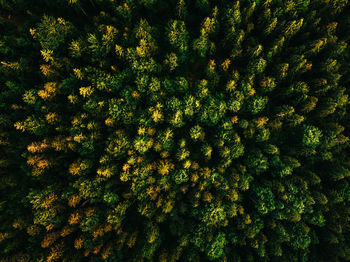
(247, 219)
(153, 236)
(202, 136)
(72, 99)
(126, 167)
(205, 172)
(33, 230)
(251, 92)
(32, 31)
(135, 94)
(234, 119)
(51, 118)
(194, 177)
(157, 115)
(332, 26)
(74, 47)
(151, 180)
(46, 69)
(10, 65)
(75, 168)
(76, 121)
(19, 126)
(231, 86)
(142, 49)
(159, 202)
(106, 252)
(119, 50)
(194, 165)
(105, 171)
(240, 210)
(168, 207)
(61, 21)
(152, 193)
(141, 131)
(56, 252)
(66, 231)
(151, 131)
(164, 167)
(49, 227)
(150, 143)
(37, 147)
(187, 164)
(266, 82)
(109, 122)
(74, 218)
(39, 164)
(47, 55)
(207, 196)
(307, 67)
(150, 167)
(212, 63)
(108, 228)
(168, 134)
(59, 143)
(49, 200)
(261, 121)
(86, 91)
(50, 90)
(74, 200)
(90, 212)
(164, 154)
(78, 243)
(226, 64)
(43, 164)
(98, 232)
(232, 195)
(201, 186)
(3, 236)
(18, 224)
(49, 239)
(208, 26)
(79, 138)
(97, 249)
(157, 146)
(111, 31)
(78, 73)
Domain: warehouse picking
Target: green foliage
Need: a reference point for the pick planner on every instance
(196, 132)
(178, 35)
(311, 136)
(51, 32)
(216, 248)
(174, 130)
(256, 104)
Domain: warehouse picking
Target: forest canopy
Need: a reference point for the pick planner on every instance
(174, 130)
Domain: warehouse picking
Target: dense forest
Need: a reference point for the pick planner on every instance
(175, 130)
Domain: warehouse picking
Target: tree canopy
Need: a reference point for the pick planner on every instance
(151, 130)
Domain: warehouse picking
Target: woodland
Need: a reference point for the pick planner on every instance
(174, 130)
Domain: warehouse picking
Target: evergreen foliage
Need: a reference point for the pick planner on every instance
(149, 130)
